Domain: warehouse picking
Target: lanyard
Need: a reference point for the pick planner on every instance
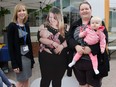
(82, 28)
(25, 36)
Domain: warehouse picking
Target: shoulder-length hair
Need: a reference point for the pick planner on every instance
(16, 10)
(59, 17)
(85, 2)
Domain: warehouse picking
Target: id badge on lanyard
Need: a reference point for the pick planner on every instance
(24, 48)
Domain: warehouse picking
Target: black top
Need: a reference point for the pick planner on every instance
(102, 58)
(54, 32)
(14, 43)
(56, 62)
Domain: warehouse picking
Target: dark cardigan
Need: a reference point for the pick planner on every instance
(103, 62)
(14, 43)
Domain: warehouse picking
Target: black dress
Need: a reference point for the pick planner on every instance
(52, 66)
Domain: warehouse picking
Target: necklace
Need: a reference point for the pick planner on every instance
(54, 29)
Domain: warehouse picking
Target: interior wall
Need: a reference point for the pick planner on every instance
(97, 7)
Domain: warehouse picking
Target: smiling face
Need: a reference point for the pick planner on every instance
(85, 11)
(21, 13)
(55, 20)
(95, 23)
(52, 19)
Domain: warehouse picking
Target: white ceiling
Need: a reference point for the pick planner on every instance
(32, 4)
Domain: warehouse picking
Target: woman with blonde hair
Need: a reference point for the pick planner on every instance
(20, 47)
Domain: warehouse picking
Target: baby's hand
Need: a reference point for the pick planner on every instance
(80, 35)
(55, 44)
(102, 50)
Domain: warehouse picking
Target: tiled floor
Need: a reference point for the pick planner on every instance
(107, 81)
(35, 70)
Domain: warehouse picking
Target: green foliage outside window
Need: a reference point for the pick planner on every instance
(4, 11)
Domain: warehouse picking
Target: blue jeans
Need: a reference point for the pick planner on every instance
(1, 83)
(4, 79)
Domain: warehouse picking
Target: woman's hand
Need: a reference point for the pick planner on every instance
(55, 44)
(87, 50)
(59, 49)
(79, 49)
(16, 70)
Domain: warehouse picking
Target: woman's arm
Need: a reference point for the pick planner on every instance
(64, 44)
(60, 47)
(83, 34)
(11, 34)
(46, 41)
(71, 42)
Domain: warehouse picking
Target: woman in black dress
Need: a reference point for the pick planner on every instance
(53, 65)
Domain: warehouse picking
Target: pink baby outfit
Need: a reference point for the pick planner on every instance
(92, 37)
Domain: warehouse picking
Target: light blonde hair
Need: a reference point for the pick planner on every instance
(16, 10)
(58, 16)
(96, 18)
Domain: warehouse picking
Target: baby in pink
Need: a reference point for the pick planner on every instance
(44, 33)
(92, 35)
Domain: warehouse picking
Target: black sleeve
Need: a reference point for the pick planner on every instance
(38, 36)
(69, 37)
(11, 43)
(105, 31)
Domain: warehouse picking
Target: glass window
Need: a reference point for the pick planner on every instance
(70, 12)
(114, 19)
(110, 21)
